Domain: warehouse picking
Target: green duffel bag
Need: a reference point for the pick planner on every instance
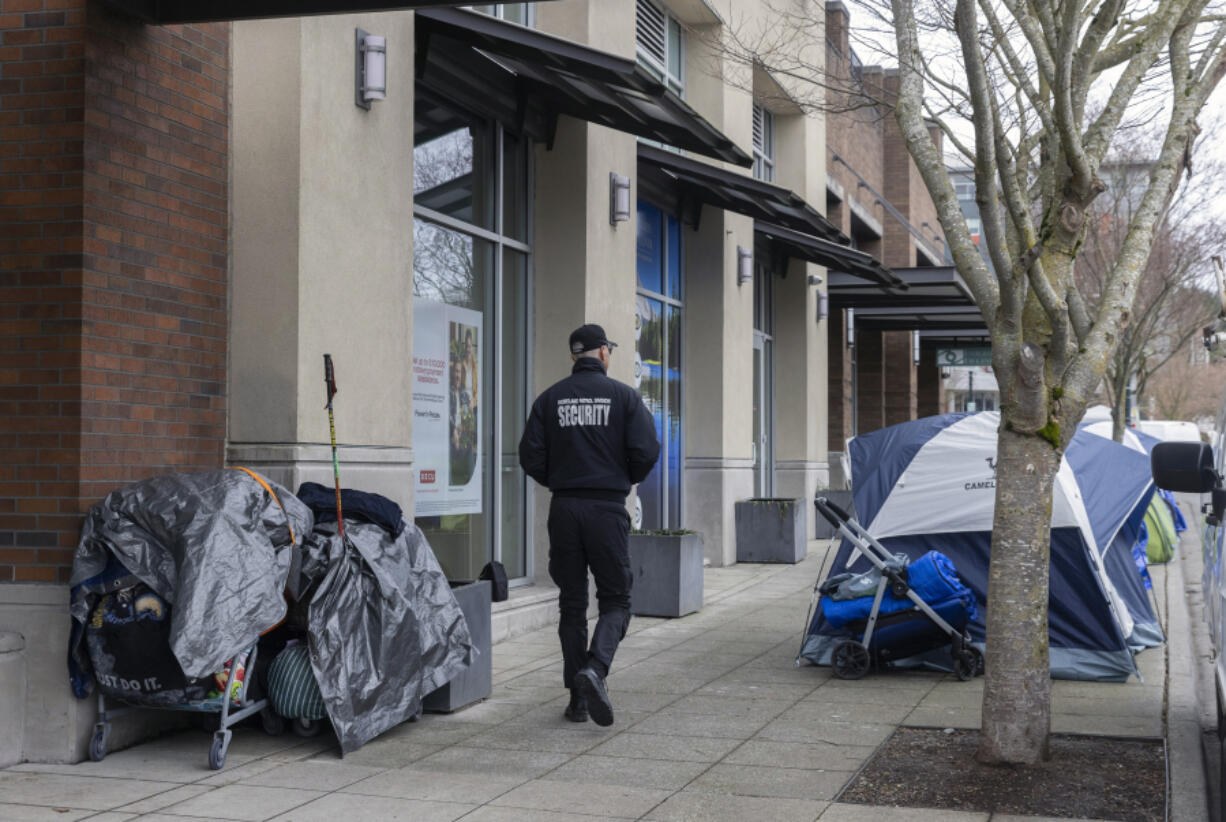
(292, 688)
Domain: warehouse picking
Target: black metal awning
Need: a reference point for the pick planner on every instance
(527, 79)
(835, 257)
(699, 184)
(936, 302)
(172, 12)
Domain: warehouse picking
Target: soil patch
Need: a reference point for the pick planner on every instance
(1087, 777)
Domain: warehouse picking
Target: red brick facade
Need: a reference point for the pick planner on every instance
(113, 264)
(867, 162)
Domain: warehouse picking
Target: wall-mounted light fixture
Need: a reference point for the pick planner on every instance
(851, 327)
(915, 346)
(744, 265)
(823, 305)
(370, 68)
(619, 198)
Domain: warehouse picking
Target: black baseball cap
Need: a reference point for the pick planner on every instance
(588, 338)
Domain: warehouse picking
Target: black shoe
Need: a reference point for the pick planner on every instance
(576, 711)
(589, 685)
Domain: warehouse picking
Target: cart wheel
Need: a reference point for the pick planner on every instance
(968, 664)
(307, 727)
(217, 753)
(97, 743)
(849, 660)
(272, 722)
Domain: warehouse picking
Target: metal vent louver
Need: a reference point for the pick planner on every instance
(651, 31)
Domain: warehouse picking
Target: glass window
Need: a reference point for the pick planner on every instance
(522, 13)
(470, 341)
(452, 163)
(660, 45)
(658, 362)
(650, 248)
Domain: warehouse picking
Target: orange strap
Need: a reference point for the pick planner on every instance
(273, 493)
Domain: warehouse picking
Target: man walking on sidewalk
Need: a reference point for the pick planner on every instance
(589, 438)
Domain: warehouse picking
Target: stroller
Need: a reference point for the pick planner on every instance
(883, 616)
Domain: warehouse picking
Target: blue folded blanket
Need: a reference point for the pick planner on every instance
(932, 576)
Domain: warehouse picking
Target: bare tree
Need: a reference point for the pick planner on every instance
(1172, 302)
(1011, 84)
(1182, 390)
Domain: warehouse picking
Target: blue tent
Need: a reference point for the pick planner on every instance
(930, 484)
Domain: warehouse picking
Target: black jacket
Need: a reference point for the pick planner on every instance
(589, 435)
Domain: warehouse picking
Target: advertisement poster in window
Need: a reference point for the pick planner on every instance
(446, 408)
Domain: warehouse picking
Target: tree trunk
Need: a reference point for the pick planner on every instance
(1016, 694)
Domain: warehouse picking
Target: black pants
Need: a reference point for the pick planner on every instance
(587, 533)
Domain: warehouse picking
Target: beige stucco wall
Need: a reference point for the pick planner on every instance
(321, 253)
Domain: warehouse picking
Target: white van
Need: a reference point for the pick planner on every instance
(1170, 430)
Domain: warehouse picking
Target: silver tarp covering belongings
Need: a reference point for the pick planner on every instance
(216, 545)
(385, 628)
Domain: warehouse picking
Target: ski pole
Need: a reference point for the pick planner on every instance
(330, 381)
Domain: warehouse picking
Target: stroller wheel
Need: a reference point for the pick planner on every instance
(968, 664)
(850, 660)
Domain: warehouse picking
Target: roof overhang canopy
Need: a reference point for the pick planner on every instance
(172, 12)
(833, 256)
(696, 184)
(526, 79)
(936, 302)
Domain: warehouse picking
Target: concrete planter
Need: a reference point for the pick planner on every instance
(823, 529)
(770, 530)
(12, 696)
(477, 681)
(667, 570)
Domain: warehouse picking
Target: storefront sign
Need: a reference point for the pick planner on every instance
(446, 409)
(977, 355)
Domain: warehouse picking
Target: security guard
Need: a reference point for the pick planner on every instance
(589, 438)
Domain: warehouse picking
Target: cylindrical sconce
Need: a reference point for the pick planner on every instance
(915, 345)
(744, 265)
(851, 327)
(823, 305)
(370, 72)
(619, 198)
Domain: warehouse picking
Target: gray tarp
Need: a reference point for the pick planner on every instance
(215, 545)
(385, 628)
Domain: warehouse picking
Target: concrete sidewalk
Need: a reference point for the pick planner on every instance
(714, 722)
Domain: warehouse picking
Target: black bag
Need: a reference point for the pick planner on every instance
(497, 575)
(128, 638)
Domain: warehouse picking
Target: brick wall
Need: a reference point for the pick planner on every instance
(838, 384)
(900, 383)
(853, 129)
(870, 380)
(928, 384)
(113, 307)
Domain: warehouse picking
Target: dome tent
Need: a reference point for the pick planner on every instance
(930, 484)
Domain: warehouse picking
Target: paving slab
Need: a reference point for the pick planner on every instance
(85, 792)
(702, 806)
(659, 774)
(385, 809)
(247, 803)
(312, 775)
(430, 786)
(815, 756)
(754, 780)
(635, 745)
(11, 812)
(621, 801)
(836, 733)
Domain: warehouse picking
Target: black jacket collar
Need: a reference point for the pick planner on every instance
(587, 364)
